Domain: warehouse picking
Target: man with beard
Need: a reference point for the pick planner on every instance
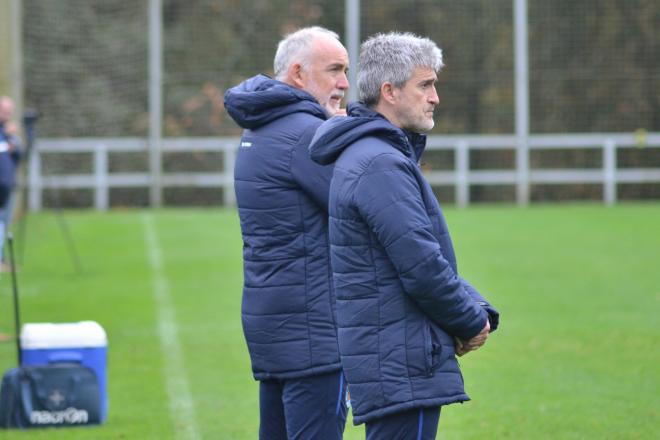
(282, 196)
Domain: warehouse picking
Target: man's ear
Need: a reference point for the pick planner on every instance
(296, 75)
(388, 92)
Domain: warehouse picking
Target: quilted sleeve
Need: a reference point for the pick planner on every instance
(493, 314)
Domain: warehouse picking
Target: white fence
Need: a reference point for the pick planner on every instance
(101, 180)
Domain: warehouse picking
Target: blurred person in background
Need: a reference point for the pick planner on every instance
(282, 196)
(10, 156)
(403, 311)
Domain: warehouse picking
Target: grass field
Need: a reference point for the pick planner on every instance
(577, 355)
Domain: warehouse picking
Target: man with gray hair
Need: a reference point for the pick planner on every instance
(403, 311)
(282, 196)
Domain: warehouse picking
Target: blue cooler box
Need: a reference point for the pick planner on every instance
(83, 342)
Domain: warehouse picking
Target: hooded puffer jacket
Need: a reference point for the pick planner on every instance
(400, 300)
(282, 196)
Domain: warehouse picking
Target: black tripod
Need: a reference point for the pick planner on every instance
(30, 118)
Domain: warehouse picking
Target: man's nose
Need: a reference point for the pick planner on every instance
(342, 82)
(433, 97)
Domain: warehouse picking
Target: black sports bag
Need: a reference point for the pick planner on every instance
(52, 395)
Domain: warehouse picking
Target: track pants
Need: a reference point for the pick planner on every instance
(309, 408)
(417, 424)
(6, 209)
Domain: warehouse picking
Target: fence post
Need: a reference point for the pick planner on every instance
(522, 100)
(352, 26)
(462, 165)
(11, 52)
(228, 194)
(522, 172)
(155, 101)
(101, 192)
(35, 181)
(609, 172)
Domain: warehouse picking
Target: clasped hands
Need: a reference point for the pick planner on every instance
(462, 347)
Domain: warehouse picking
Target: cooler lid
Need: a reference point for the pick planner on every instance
(65, 335)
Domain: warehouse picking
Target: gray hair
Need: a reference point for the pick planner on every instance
(393, 57)
(295, 47)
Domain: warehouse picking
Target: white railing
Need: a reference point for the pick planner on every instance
(101, 180)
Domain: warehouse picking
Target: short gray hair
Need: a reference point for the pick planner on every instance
(393, 57)
(295, 47)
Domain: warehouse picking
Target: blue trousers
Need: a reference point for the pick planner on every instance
(308, 408)
(6, 210)
(416, 424)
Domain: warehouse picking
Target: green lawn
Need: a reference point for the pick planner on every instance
(577, 356)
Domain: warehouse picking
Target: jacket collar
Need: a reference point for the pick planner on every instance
(410, 143)
(337, 133)
(259, 100)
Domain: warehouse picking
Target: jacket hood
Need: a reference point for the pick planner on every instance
(336, 134)
(260, 100)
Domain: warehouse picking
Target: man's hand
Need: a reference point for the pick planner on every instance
(463, 347)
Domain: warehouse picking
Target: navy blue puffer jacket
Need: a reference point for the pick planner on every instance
(287, 309)
(400, 300)
(10, 155)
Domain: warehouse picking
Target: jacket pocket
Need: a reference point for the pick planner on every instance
(442, 346)
(428, 349)
(436, 353)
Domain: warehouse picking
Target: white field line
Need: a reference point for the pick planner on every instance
(181, 402)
